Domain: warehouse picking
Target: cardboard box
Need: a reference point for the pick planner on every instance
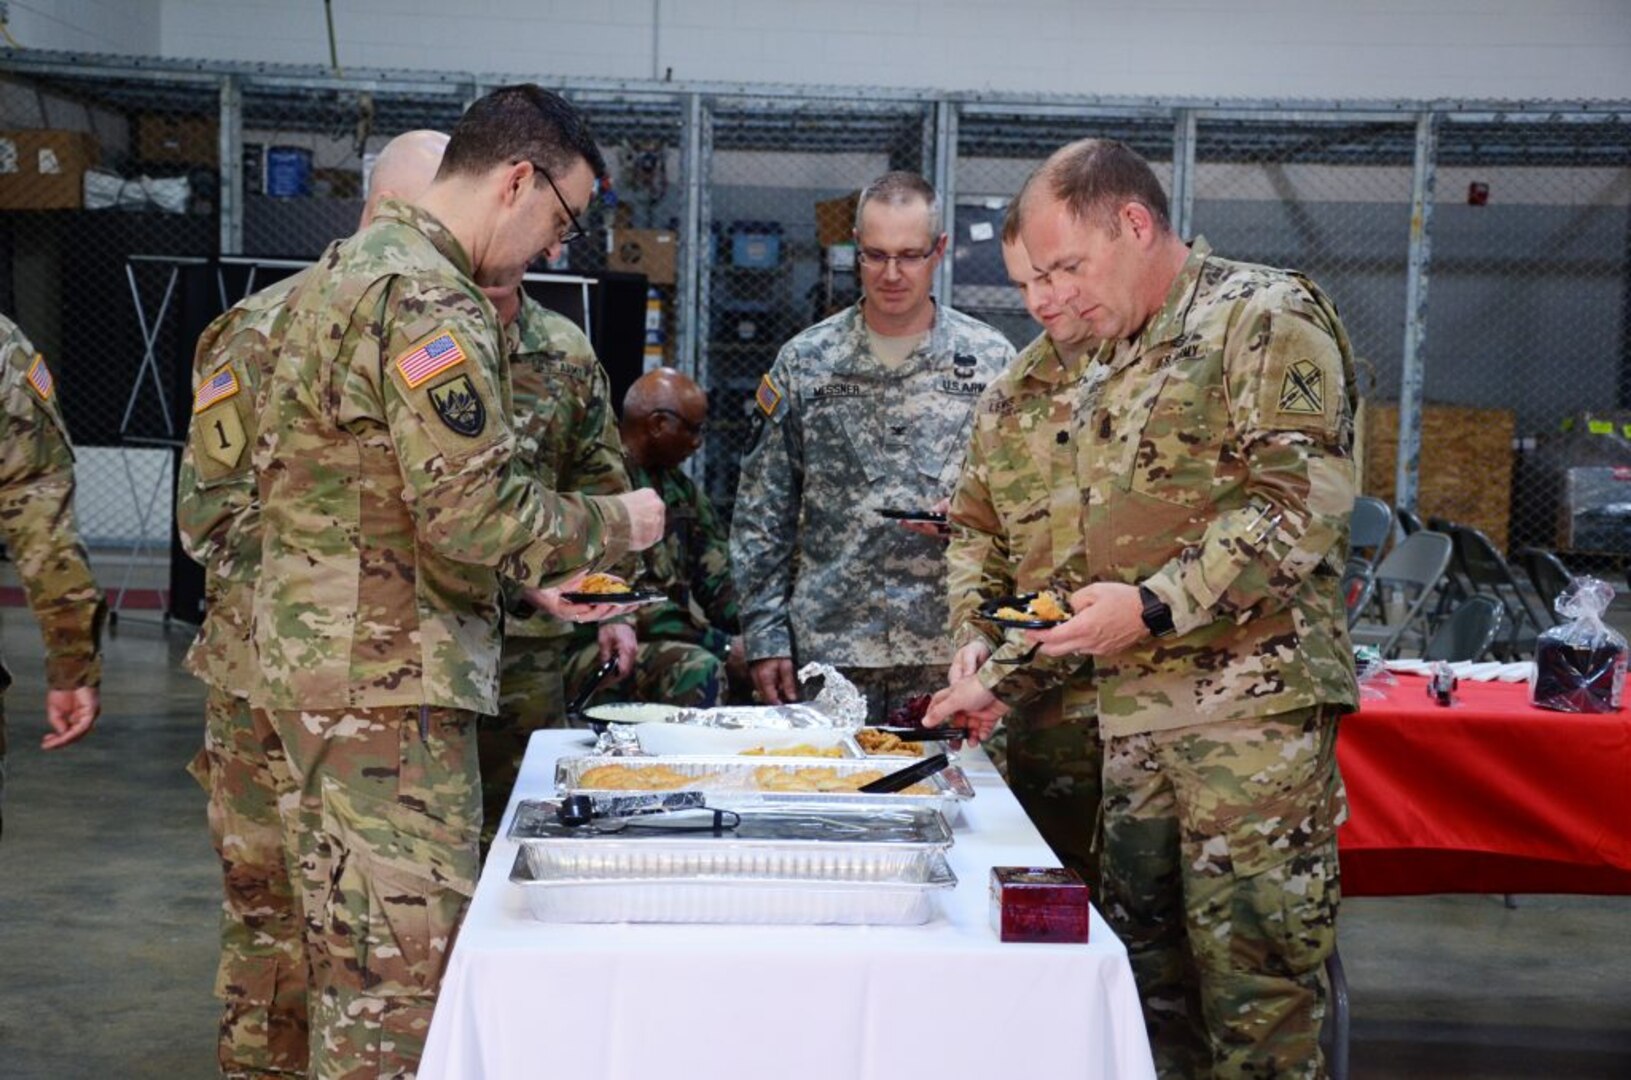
(835, 219)
(643, 251)
(42, 169)
(177, 140)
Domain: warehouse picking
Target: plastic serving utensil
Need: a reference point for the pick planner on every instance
(901, 779)
(927, 734)
(576, 707)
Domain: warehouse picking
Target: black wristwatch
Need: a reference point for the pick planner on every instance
(1157, 615)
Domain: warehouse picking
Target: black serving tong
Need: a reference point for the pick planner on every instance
(901, 779)
(925, 734)
(670, 812)
(575, 709)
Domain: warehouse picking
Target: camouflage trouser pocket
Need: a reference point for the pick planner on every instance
(263, 1026)
(399, 885)
(1284, 894)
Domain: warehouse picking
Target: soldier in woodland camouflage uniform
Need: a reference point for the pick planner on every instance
(868, 410)
(38, 527)
(262, 976)
(1016, 528)
(566, 439)
(1213, 444)
(389, 510)
(689, 650)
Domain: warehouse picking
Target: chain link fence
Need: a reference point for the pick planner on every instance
(729, 216)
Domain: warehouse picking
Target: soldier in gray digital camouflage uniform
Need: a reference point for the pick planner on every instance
(867, 411)
(390, 509)
(262, 974)
(39, 529)
(1016, 528)
(1214, 462)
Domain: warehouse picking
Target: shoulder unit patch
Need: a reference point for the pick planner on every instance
(459, 406)
(1302, 390)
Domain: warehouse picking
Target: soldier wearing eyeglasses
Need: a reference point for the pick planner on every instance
(867, 411)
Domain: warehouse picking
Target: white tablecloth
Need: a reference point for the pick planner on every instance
(532, 1000)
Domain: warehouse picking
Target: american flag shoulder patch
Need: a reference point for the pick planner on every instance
(768, 396)
(39, 377)
(429, 358)
(218, 387)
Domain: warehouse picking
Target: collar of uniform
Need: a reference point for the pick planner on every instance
(1040, 360)
(858, 358)
(1168, 323)
(424, 222)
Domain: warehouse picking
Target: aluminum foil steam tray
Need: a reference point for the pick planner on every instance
(783, 842)
(562, 898)
(729, 781)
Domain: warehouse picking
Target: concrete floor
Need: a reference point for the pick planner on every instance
(109, 893)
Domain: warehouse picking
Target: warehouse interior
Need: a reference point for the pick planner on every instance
(1459, 180)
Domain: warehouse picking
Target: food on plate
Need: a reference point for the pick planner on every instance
(874, 741)
(603, 583)
(802, 749)
(1043, 605)
(636, 778)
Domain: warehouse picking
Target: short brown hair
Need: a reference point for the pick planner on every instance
(898, 188)
(1012, 219)
(1094, 178)
(523, 122)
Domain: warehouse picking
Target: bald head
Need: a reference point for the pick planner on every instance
(664, 417)
(404, 169)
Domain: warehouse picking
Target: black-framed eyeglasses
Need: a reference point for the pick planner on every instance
(695, 429)
(907, 260)
(577, 231)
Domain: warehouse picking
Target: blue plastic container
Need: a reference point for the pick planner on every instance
(756, 243)
(288, 171)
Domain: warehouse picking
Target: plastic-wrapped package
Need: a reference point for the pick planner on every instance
(1580, 665)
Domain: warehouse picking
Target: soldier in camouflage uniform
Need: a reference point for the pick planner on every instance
(566, 439)
(38, 526)
(1213, 443)
(1016, 528)
(866, 411)
(262, 975)
(689, 650)
(389, 511)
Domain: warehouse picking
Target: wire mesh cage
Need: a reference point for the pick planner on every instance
(1479, 257)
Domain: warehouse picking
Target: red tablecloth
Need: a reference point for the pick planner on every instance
(1488, 795)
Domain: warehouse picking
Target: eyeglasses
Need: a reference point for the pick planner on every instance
(577, 231)
(906, 260)
(695, 429)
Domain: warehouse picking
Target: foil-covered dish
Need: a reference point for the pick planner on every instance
(555, 896)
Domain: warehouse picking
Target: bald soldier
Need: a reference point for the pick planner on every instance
(262, 973)
(1214, 458)
(390, 511)
(689, 648)
(39, 529)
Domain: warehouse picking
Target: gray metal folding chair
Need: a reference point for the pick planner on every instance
(1406, 583)
(1370, 528)
(1549, 577)
(1486, 572)
(1469, 631)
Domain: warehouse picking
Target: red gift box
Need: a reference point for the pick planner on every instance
(1031, 903)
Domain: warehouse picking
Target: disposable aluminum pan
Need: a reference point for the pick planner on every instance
(563, 898)
(729, 781)
(784, 842)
